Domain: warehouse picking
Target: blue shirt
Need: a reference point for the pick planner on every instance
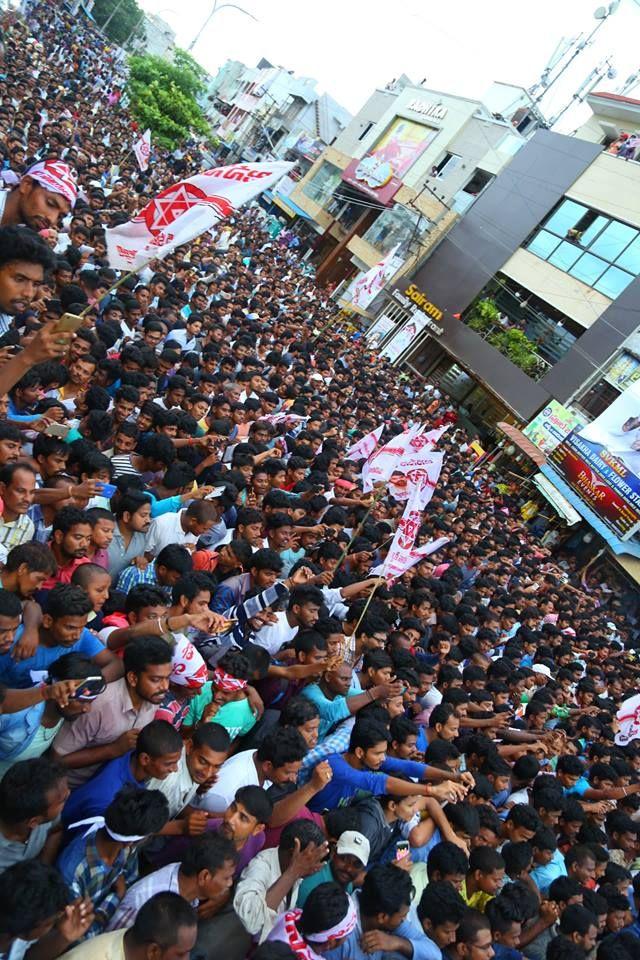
(579, 787)
(347, 783)
(543, 876)
(92, 798)
(17, 730)
(331, 711)
(17, 673)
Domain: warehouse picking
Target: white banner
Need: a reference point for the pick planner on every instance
(363, 449)
(142, 150)
(385, 460)
(185, 210)
(628, 717)
(416, 472)
(368, 285)
(403, 554)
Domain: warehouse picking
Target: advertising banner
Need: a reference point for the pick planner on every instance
(379, 173)
(404, 337)
(601, 462)
(552, 425)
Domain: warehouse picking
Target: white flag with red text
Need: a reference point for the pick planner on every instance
(363, 449)
(186, 209)
(403, 553)
(369, 284)
(142, 150)
(384, 461)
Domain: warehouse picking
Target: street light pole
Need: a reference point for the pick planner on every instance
(216, 9)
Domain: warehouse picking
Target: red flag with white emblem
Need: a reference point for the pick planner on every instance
(185, 210)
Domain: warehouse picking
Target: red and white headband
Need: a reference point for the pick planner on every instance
(225, 682)
(56, 176)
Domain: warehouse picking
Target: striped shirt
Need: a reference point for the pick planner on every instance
(15, 532)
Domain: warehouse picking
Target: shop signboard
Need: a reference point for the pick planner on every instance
(601, 463)
(552, 425)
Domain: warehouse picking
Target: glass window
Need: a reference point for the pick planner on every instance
(588, 269)
(630, 259)
(566, 217)
(543, 244)
(394, 226)
(321, 187)
(565, 256)
(613, 240)
(613, 282)
(588, 228)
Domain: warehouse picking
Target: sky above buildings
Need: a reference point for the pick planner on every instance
(460, 46)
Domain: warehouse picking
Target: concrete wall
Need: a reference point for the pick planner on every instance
(612, 186)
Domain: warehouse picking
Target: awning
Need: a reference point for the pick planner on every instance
(290, 208)
(631, 565)
(517, 436)
(616, 545)
(559, 503)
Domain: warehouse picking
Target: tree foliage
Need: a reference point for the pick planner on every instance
(513, 344)
(128, 18)
(163, 96)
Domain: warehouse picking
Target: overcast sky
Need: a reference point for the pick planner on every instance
(460, 46)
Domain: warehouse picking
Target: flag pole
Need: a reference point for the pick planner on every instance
(379, 495)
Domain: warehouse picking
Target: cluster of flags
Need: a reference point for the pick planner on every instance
(409, 467)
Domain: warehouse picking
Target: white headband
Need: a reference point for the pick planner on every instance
(96, 823)
(341, 929)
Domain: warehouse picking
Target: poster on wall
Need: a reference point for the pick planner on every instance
(404, 337)
(380, 172)
(378, 330)
(552, 425)
(601, 462)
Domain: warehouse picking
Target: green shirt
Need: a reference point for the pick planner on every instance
(235, 716)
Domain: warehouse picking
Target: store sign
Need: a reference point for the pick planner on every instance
(552, 425)
(417, 301)
(434, 110)
(601, 462)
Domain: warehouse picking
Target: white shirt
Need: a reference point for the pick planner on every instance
(238, 771)
(251, 894)
(275, 635)
(167, 529)
(178, 787)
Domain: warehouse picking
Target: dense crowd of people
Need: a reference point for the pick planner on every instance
(221, 727)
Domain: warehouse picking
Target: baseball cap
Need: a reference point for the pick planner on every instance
(354, 843)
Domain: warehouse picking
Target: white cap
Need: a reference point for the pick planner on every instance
(356, 844)
(541, 668)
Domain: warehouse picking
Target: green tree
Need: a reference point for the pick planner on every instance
(163, 96)
(127, 18)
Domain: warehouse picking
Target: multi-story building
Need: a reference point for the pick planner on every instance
(534, 295)
(160, 38)
(266, 110)
(408, 165)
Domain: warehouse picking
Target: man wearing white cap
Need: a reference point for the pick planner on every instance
(349, 858)
(46, 193)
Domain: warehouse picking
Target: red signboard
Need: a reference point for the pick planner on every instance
(369, 177)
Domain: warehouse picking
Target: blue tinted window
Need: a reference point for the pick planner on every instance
(543, 244)
(565, 255)
(613, 282)
(566, 217)
(630, 259)
(588, 269)
(613, 241)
